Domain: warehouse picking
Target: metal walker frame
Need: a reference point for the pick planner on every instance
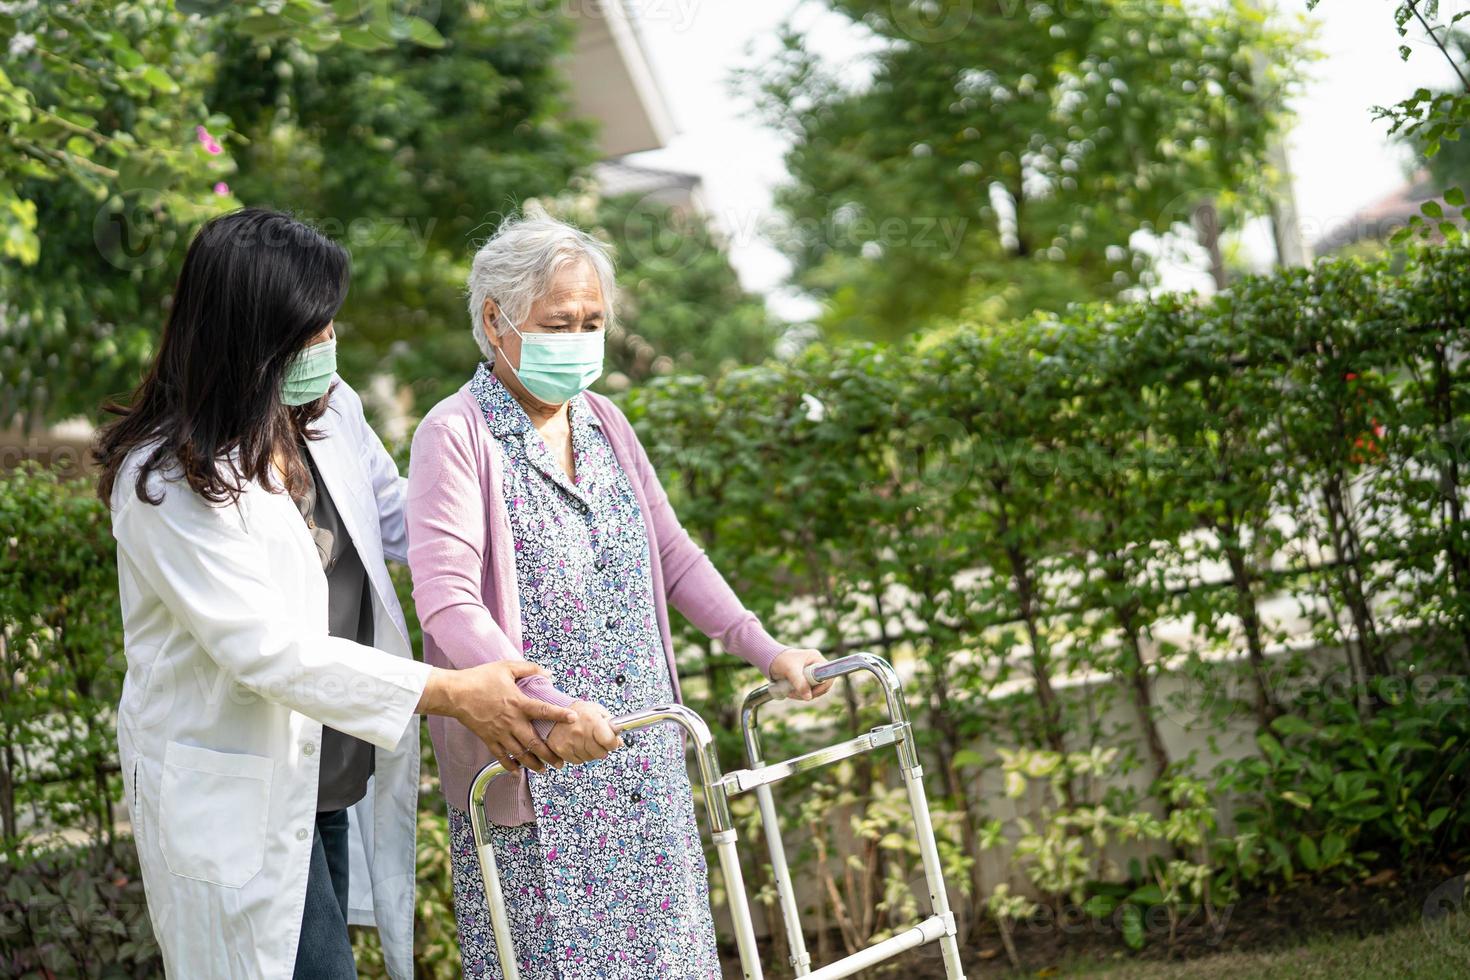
(760, 777)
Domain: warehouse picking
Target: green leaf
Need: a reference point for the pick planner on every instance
(1147, 895)
(1296, 799)
(1432, 209)
(158, 80)
(422, 33)
(1288, 725)
(1437, 817)
(1132, 926)
(1270, 746)
(263, 27)
(1307, 848)
(1455, 196)
(965, 758)
(364, 39)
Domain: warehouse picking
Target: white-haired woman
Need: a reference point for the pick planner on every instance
(538, 529)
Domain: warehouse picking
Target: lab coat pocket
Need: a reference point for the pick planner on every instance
(212, 813)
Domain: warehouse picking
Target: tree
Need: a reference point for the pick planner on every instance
(101, 168)
(408, 154)
(1428, 120)
(1449, 165)
(682, 306)
(1004, 155)
(110, 155)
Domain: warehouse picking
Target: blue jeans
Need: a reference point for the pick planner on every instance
(325, 952)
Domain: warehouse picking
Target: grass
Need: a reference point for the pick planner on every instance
(1421, 950)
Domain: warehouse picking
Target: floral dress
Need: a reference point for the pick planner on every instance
(610, 880)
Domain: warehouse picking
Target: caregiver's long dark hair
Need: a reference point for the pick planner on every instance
(256, 286)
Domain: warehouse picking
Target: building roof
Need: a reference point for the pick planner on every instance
(613, 81)
(1379, 220)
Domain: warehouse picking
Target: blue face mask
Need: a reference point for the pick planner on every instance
(556, 367)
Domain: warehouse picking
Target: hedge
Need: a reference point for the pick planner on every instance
(1003, 510)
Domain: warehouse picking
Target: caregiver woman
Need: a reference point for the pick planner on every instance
(270, 688)
(537, 527)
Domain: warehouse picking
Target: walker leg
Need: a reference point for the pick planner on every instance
(801, 960)
(505, 950)
(949, 946)
(738, 903)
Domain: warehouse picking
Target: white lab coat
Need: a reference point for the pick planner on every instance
(231, 675)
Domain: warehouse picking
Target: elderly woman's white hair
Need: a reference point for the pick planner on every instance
(517, 265)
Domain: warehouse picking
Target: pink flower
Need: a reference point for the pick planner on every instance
(222, 189)
(213, 148)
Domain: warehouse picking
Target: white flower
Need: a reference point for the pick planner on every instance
(21, 45)
(815, 410)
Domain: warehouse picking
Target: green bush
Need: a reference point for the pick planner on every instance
(1336, 794)
(76, 912)
(61, 663)
(1004, 509)
(1027, 503)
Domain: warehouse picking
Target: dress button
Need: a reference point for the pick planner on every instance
(308, 749)
(630, 740)
(637, 797)
(620, 679)
(301, 835)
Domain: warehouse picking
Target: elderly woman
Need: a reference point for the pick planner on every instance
(538, 529)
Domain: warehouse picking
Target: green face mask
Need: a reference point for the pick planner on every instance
(556, 367)
(309, 374)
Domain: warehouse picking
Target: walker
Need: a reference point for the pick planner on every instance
(718, 788)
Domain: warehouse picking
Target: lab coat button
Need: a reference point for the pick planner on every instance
(308, 749)
(301, 834)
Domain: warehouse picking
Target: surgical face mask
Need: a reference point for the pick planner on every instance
(309, 374)
(555, 367)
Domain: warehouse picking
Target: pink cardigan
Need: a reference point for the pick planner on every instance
(462, 556)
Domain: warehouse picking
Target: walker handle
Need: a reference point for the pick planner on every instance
(781, 690)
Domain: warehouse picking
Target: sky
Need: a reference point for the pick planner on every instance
(1341, 158)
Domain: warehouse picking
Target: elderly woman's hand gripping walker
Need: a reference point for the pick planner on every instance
(539, 530)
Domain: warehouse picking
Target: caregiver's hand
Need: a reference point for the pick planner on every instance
(486, 700)
(790, 665)
(589, 737)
